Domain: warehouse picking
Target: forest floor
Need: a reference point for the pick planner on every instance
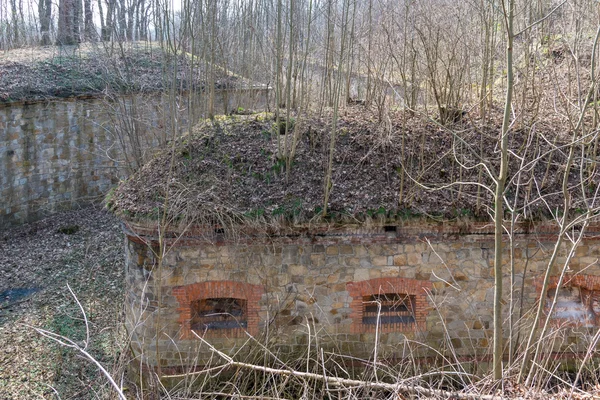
(39, 261)
(83, 250)
(49, 72)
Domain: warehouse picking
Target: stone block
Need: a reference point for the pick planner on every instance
(376, 250)
(389, 272)
(400, 259)
(318, 248)
(332, 261)
(360, 251)
(346, 249)
(460, 276)
(423, 275)
(351, 261)
(361, 274)
(379, 261)
(297, 269)
(413, 259)
(332, 250)
(374, 273)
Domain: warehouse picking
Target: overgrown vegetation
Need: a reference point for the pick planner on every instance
(450, 125)
(38, 256)
(228, 169)
(99, 70)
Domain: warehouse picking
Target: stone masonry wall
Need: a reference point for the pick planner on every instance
(58, 154)
(315, 285)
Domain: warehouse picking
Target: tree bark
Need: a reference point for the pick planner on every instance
(15, 22)
(89, 28)
(107, 30)
(499, 196)
(45, 16)
(66, 15)
(77, 20)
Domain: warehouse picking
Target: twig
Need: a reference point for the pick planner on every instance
(336, 381)
(87, 326)
(66, 342)
(234, 395)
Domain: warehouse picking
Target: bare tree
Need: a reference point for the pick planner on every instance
(68, 22)
(45, 17)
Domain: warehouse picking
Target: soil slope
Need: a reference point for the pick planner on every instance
(232, 169)
(92, 69)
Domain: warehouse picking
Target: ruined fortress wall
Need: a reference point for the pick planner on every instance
(54, 155)
(317, 286)
(57, 154)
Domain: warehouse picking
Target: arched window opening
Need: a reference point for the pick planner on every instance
(389, 305)
(391, 309)
(219, 313)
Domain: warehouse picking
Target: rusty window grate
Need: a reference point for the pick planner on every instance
(219, 313)
(390, 309)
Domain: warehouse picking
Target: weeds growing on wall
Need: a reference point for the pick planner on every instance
(437, 60)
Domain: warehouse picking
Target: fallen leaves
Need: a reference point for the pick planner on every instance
(38, 255)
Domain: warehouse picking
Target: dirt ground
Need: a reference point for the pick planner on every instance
(82, 249)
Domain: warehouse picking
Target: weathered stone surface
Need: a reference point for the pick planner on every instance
(311, 283)
(60, 154)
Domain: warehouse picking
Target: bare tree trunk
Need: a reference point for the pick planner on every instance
(102, 23)
(499, 195)
(130, 19)
(110, 19)
(15, 22)
(121, 20)
(213, 59)
(278, 73)
(89, 28)
(369, 89)
(327, 84)
(139, 16)
(336, 101)
(66, 15)
(288, 84)
(77, 20)
(144, 10)
(45, 16)
(304, 91)
(349, 66)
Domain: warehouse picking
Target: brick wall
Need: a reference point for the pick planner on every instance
(315, 284)
(419, 289)
(186, 294)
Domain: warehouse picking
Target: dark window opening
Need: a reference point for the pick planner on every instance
(390, 228)
(219, 313)
(388, 309)
(219, 234)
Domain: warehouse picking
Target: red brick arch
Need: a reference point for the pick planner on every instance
(411, 287)
(218, 289)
